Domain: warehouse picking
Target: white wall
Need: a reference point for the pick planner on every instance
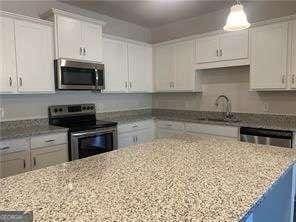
(233, 82)
(35, 106)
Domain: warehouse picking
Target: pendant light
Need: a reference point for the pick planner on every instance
(237, 18)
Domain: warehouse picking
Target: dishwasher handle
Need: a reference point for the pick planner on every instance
(281, 134)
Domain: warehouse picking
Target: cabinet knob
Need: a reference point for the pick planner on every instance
(10, 81)
(21, 81)
(34, 161)
(283, 79)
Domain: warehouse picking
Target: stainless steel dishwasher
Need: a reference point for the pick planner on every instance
(279, 138)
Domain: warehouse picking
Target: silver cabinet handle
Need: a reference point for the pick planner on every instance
(173, 84)
(48, 141)
(84, 51)
(283, 79)
(293, 79)
(130, 85)
(125, 84)
(136, 138)
(135, 126)
(34, 161)
(4, 148)
(221, 52)
(217, 52)
(10, 81)
(24, 164)
(21, 81)
(169, 125)
(80, 51)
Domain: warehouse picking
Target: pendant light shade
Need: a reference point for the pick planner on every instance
(237, 18)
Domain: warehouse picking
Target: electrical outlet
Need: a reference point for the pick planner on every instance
(266, 107)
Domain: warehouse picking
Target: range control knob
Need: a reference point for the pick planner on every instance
(55, 110)
(83, 108)
(92, 108)
(60, 109)
(88, 108)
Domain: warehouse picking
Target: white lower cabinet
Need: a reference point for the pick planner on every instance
(216, 130)
(168, 128)
(48, 156)
(135, 133)
(24, 154)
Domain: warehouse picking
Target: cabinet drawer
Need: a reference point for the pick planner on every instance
(170, 125)
(224, 131)
(123, 128)
(14, 145)
(48, 140)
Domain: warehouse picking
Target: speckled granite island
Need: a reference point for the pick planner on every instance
(183, 178)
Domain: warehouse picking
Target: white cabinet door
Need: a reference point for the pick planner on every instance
(207, 49)
(115, 61)
(14, 163)
(184, 71)
(69, 34)
(92, 41)
(163, 67)
(8, 79)
(34, 55)
(268, 69)
(234, 45)
(293, 55)
(140, 68)
(48, 156)
(144, 136)
(125, 140)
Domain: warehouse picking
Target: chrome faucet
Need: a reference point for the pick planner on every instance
(229, 114)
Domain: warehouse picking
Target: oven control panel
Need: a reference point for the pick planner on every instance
(62, 110)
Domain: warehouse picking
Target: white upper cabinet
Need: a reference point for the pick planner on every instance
(26, 64)
(140, 68)
(234, 45)
(207, 49)
(163, 67)
(92, 41)
(34, 55)
(222, 50)
(293, 54)
(128, 66)
(173, 67)
(77, 37)
(8, 78)
(69, 34)
(116, 67)
(269, 57)
(184, 71)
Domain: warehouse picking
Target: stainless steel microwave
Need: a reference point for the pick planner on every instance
(78, 75)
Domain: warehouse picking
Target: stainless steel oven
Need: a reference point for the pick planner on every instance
(92, 142)
(78, 75)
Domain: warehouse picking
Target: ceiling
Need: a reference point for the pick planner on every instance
(153, 13)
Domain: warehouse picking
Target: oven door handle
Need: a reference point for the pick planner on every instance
(99, 132)
(97, 80)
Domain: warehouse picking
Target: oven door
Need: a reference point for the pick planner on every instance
(89, 143)
(75, 75)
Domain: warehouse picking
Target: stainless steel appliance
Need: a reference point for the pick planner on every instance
(279, 138)
(87, 136)
(77, 75)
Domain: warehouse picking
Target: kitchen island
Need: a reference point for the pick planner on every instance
(185, 178)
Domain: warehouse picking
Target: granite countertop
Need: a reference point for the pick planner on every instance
(184, 178)
(8, 133)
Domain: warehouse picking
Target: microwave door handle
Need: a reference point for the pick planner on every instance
(97, 80)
